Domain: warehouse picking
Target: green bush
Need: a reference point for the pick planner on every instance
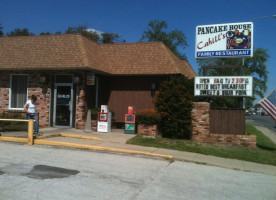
(148, 117)
(94, 113)
(174, 102)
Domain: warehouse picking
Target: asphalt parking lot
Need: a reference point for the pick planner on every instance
(46, 172)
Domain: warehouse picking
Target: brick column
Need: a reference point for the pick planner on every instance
(4, 90)
(201, 120)
(80, 108)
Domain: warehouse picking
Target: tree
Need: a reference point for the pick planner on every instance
(174, 102)
(48, 33)
(110, 37)
(1, 31)
(254, 66)
(20, 32)
(83, 31)
(174, 40)
(77, 29)
(45, 33)
(93, 35)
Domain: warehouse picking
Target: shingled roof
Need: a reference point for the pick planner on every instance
(72, 51)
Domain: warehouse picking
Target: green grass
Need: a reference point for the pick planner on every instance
(265, 152)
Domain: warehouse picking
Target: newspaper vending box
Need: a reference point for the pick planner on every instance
(130, 121)
(104, 120)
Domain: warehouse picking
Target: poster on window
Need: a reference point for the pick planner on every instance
(90, 79)
(63, 99)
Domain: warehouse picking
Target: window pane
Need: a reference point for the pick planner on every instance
(19, 91)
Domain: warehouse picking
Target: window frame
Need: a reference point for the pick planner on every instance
(10, 90)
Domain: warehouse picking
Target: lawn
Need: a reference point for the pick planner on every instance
(265, 152)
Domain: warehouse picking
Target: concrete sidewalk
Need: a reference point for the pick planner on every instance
(266, 131)
(117, 140)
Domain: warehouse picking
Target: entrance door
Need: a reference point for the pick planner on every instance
(63, 105)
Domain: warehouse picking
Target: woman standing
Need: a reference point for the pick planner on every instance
(30, 109)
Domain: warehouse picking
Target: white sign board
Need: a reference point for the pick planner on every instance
(224, 40)
(104, 108)
(230, 86)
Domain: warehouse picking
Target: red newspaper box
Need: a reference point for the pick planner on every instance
(130, 121)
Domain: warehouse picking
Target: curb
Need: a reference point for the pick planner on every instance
(79, 136)
(98, 148)
(40, 141)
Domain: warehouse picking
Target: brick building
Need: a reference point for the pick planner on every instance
(69, 74)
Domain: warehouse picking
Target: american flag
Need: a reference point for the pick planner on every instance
(269, 104)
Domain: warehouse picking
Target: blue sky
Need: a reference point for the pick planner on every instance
(129, 18)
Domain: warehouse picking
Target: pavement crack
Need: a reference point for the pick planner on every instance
(151, 179)
(45, 188)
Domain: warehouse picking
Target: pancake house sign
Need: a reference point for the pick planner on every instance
(224, 40)
(227, 86)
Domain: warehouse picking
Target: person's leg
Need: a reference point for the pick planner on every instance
(35, 125)
(27, 117)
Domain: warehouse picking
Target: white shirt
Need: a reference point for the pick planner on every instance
(31, 106)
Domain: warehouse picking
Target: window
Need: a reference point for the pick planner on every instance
(18, 97)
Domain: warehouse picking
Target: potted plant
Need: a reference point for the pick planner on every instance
(148, 120)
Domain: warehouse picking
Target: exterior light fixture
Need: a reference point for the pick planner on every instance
(76, 79)
(153, 87)
(43, 78)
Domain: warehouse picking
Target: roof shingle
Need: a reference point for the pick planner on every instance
(71, 51)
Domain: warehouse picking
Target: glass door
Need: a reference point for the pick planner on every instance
(63, 105)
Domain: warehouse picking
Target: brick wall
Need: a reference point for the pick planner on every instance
(94, 125)
(147, 130)
(201, 129)
(41, 91)
(228, 139)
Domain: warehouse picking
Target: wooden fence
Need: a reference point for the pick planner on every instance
(227, 121)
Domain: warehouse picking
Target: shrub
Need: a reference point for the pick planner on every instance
(174, 102)
(95, 111)
(148, 117)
